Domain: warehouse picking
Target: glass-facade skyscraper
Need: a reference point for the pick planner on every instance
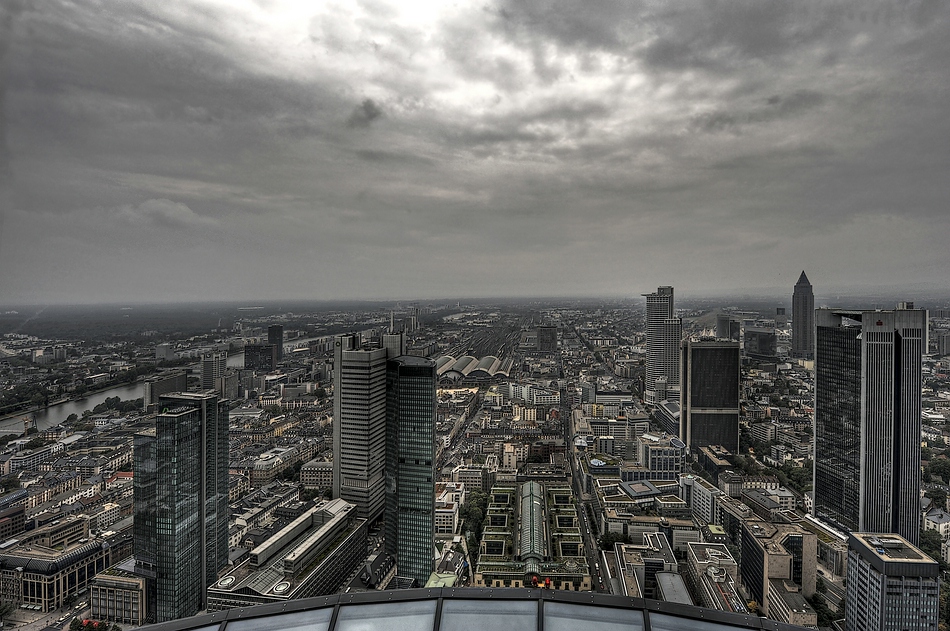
(410, 464)
(867, 419)
(180, 530)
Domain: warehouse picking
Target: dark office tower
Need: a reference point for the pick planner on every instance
(260, 357)
(213, 365)
(709, 394)
(803, 319)
(664, 332)
(180, 526)
(275, 337)
(547, 339)
(867, 419)
(410, 464)
(359, 421)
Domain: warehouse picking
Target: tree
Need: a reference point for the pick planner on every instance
(35, 443)
(939, 497)
(929, 543)
(608, 539)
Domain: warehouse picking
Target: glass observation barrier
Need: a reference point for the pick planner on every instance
(448, 609)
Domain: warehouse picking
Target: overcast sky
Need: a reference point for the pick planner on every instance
(359, 149)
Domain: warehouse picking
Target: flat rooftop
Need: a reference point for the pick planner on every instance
(890, 547)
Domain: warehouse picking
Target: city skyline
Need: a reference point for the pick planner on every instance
(337, 148)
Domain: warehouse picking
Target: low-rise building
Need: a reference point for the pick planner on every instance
(638, 564)
(44, 576)
(713, 574)
(317, 474)
(118, 594)
(312, 555)
(775, 556)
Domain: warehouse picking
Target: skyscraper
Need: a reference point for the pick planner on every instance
(213, 365)
(709, 394)
(275, 338)
(359, 421)
(664, 332)
(410, 464)
(803, 319)
(867, 419)
(180, 527)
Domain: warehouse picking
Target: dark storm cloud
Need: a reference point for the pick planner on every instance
(364, 114)
(563, 140)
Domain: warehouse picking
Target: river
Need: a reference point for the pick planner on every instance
(56, 414)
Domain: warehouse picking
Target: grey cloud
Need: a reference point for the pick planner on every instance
(8, 14)
(374, 155)
(721, 129)
(165, 213)
(776, 108)
(364, 114)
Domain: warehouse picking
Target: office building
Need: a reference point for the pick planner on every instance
(532, 538)
(309, 555)
(714, 575)
(261, 357)
(275, 338)
(213, 365)
(760, 343)
(943, 344)
(547, 339)
(664, 332)
(803, 319)
(727, 327)
(892, 585)
(410, 464)
(42, 568)
(181, 502)
(163, 383)
(867, 419)
(359, 421)
(118, 594)
(709, 394)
